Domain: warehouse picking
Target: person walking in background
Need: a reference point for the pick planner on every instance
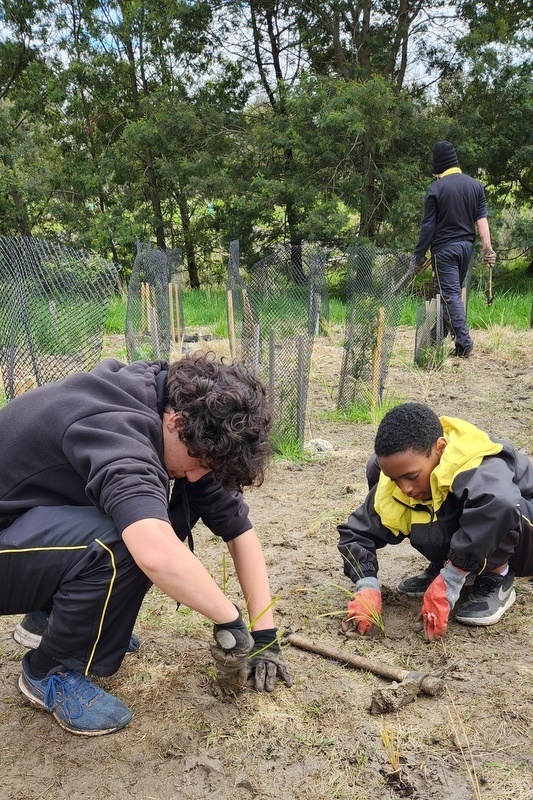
(454, 207)
(103, 475)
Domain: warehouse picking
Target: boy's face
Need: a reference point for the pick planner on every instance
(178, 462)
(411, 471)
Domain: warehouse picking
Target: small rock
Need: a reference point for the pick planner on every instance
(318, 446)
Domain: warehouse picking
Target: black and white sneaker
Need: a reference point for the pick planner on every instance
(489, 599)
(417, 585)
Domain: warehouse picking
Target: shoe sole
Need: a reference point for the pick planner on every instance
(419, 593)
(484, 621)
(26, 638)
(37, 703)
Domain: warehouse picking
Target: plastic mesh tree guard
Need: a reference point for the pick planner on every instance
(429, 334)
(154, 309)
(373, 310)
(272, 321)
(54, 302)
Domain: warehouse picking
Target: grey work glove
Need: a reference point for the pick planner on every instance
(414, 266)
(266, 661)
(489, 257)
(233, 645)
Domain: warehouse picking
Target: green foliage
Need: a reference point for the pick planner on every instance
(131, 120)
(365, 410)
(206, 308)
(116, 318)
(289, 448)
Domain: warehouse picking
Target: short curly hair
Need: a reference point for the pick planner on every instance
(410, 426)
(226, 417)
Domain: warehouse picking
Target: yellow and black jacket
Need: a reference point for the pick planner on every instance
(480, 514)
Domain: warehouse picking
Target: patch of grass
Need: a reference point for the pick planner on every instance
(364, 410)
(289, 448)
(508, 308)
(116, 317)
(205, 307)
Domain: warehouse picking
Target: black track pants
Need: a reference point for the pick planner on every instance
(74, 558)
(450, 266)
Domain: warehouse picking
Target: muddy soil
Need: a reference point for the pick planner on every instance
(318, 739)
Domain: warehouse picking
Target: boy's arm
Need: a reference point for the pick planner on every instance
(266, 663)
(489, 256)
(490, 511)
(172, 567)
(427, 228)
(247, 555)
(359, 539)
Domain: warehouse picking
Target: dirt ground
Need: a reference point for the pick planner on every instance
(318, 739)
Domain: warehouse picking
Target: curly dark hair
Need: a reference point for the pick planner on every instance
(410, 426)
(226, 419)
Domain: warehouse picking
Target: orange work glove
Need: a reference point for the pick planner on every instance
(365, 608)
(439, 599)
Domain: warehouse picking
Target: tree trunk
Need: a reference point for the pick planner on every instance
(150, 172)
(190, 255)
(367, 223)
(23, 219)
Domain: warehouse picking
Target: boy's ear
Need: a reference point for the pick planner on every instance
(174, 419)
(440, 445)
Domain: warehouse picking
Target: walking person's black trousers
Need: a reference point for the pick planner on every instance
(73, 559)
(450, 265)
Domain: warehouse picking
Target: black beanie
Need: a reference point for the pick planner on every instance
(444, 157)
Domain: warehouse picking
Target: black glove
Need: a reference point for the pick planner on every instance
(233, 645)
(414, 266)
(266, 661)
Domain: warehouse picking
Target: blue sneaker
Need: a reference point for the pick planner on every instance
(29, 630)
(76, 702)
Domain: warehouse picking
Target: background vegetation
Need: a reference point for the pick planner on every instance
(190, 123)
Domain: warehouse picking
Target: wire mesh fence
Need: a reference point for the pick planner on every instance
(54, 302)
(373, 309)
(272, 321)
(154, 307)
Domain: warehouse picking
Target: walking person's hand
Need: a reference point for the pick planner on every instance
(489, 257)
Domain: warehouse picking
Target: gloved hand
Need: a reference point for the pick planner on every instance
(439, 599)
(266, 661)
(414, 266)
(365, 608)
(489, 257)
(233, 645)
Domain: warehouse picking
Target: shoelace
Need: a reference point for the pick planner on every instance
(486, 585)
(70, 689)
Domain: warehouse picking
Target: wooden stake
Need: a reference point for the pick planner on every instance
(271, 368)
(154, 332)
(177, 309)
(144, 307)
(301, 386)
(377, 356)
(231, 324)
(171, 314)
